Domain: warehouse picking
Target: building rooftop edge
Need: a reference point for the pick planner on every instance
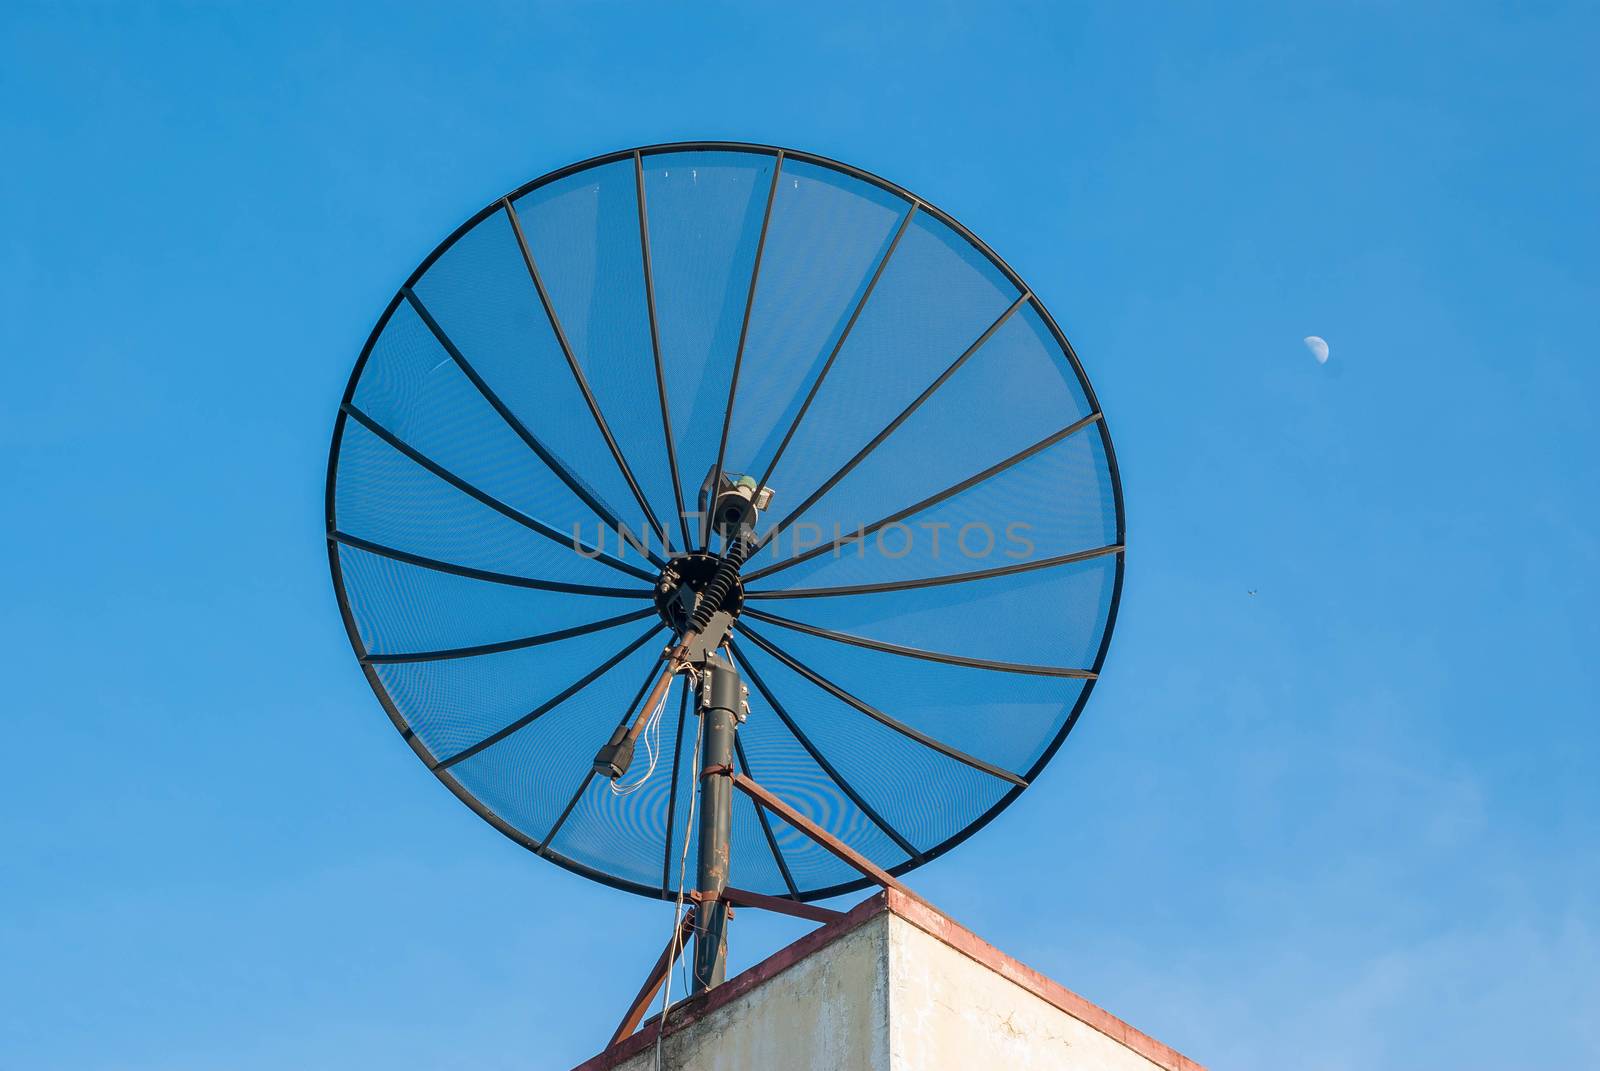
(927, 918)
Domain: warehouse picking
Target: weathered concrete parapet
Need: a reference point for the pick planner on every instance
(892, 986)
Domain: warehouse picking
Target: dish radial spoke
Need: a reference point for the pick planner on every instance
(672, 792)
(766, 824)
(917, 652)
(488, 576)
(738, 353)
(533, 524)
(550, 704)
(889, 429)
(855, 314)
(929, 502)
(655, 347)
(562, 470)
(577, 373)
(816, 756)
(877, 715)
(588, 778)
(508, 645)
(934, 581)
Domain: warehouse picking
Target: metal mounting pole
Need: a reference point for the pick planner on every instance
(722, 705)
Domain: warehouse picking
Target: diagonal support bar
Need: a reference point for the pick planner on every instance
(766, 827)
(653, 982)
(822, 760)
(805, 825)
(780, 905)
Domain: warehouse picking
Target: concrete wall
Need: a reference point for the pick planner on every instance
(949, 1011)
(892, 986)
(829, 1010)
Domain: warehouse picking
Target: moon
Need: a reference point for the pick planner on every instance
(1318, 348)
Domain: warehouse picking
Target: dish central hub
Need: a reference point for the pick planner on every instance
(682, 581)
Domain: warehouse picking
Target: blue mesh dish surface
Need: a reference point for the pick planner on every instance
(522, 445)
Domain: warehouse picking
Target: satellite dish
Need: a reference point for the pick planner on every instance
(735, 444)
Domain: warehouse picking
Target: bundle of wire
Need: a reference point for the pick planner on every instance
(652, 748)
(677, 910)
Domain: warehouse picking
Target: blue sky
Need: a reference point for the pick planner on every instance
(1348, 822)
